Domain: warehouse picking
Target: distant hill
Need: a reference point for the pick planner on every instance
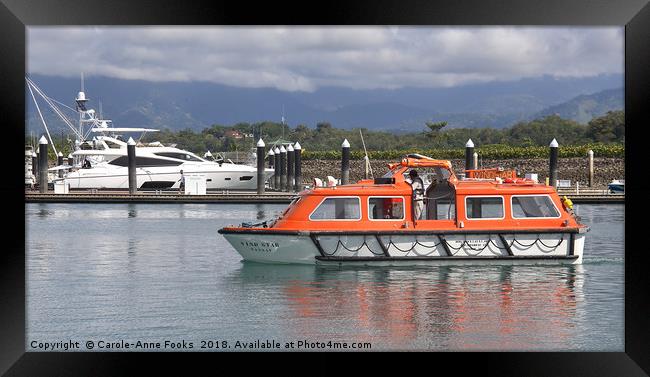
(196, 105)
(585, 107)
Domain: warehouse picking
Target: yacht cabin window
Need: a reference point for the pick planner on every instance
(112, 144)
(144, 162)
(386, 208)
(533, 206)
(484, 207)
(180, 156)
(338, 208)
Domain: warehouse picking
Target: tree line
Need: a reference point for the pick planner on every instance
(609, 128)
(606, 129)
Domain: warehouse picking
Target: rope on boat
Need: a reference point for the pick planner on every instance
(526, 247)
(417, 242)
(456, 249)
(352, 250)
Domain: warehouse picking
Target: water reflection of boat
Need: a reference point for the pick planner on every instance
(438, 307)
(468, 221)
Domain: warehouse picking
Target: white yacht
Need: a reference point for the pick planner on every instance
(100, 161)
(30, 180)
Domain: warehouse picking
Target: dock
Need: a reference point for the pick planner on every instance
(100, 196)
(581, 196)
(591, 196)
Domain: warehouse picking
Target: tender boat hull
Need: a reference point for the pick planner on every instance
(407, 249)
(277, 248)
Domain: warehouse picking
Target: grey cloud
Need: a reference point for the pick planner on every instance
(305, 58)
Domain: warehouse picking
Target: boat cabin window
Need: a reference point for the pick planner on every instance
(533, 206)
(484, 207)
(89, 145)
(386, 208)
(144, 162)
(443, 209)
(112, 144)
(338, 208)
(180, 156)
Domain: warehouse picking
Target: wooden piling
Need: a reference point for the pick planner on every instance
(276, 165)
(42, 165)
(271, 165)
(34, 165)
(345, 162)
(469, 154)
(290, 167)
(554, 147)
(283, 169)
(297, 152)
(590, 154)
(261, 152)
(59, 162)
(130, 151)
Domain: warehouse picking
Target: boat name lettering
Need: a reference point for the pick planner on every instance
(261, 246)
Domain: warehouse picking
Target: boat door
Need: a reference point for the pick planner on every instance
(440, 199)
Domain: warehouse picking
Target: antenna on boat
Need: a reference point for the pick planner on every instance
(42, 119)
(366, 159)
(282, 122)
(34, 88)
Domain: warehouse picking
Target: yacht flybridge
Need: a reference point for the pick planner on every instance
(100, 156)
(494, 218)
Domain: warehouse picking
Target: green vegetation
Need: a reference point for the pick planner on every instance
(605, 135)
(493, 151)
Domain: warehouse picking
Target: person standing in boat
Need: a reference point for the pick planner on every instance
(418, 193)
(181, 187)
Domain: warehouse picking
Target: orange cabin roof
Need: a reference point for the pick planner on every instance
(297, 215)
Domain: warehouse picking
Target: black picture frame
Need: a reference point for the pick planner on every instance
(15, 15)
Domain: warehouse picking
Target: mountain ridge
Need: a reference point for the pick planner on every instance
(196, 105)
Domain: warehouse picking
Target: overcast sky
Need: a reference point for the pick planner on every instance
(306, 58)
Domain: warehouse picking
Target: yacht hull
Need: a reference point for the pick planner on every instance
(406, 249)
(101, 178)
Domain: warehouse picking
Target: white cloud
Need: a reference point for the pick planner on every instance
(305, 58)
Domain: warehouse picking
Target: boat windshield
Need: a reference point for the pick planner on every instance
(180, 156)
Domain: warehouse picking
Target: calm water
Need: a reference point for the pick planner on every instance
(150, 273)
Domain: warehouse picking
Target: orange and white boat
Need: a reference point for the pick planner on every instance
(491, 216)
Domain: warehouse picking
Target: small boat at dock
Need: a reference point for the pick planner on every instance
(616, 186)
(491, 216)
